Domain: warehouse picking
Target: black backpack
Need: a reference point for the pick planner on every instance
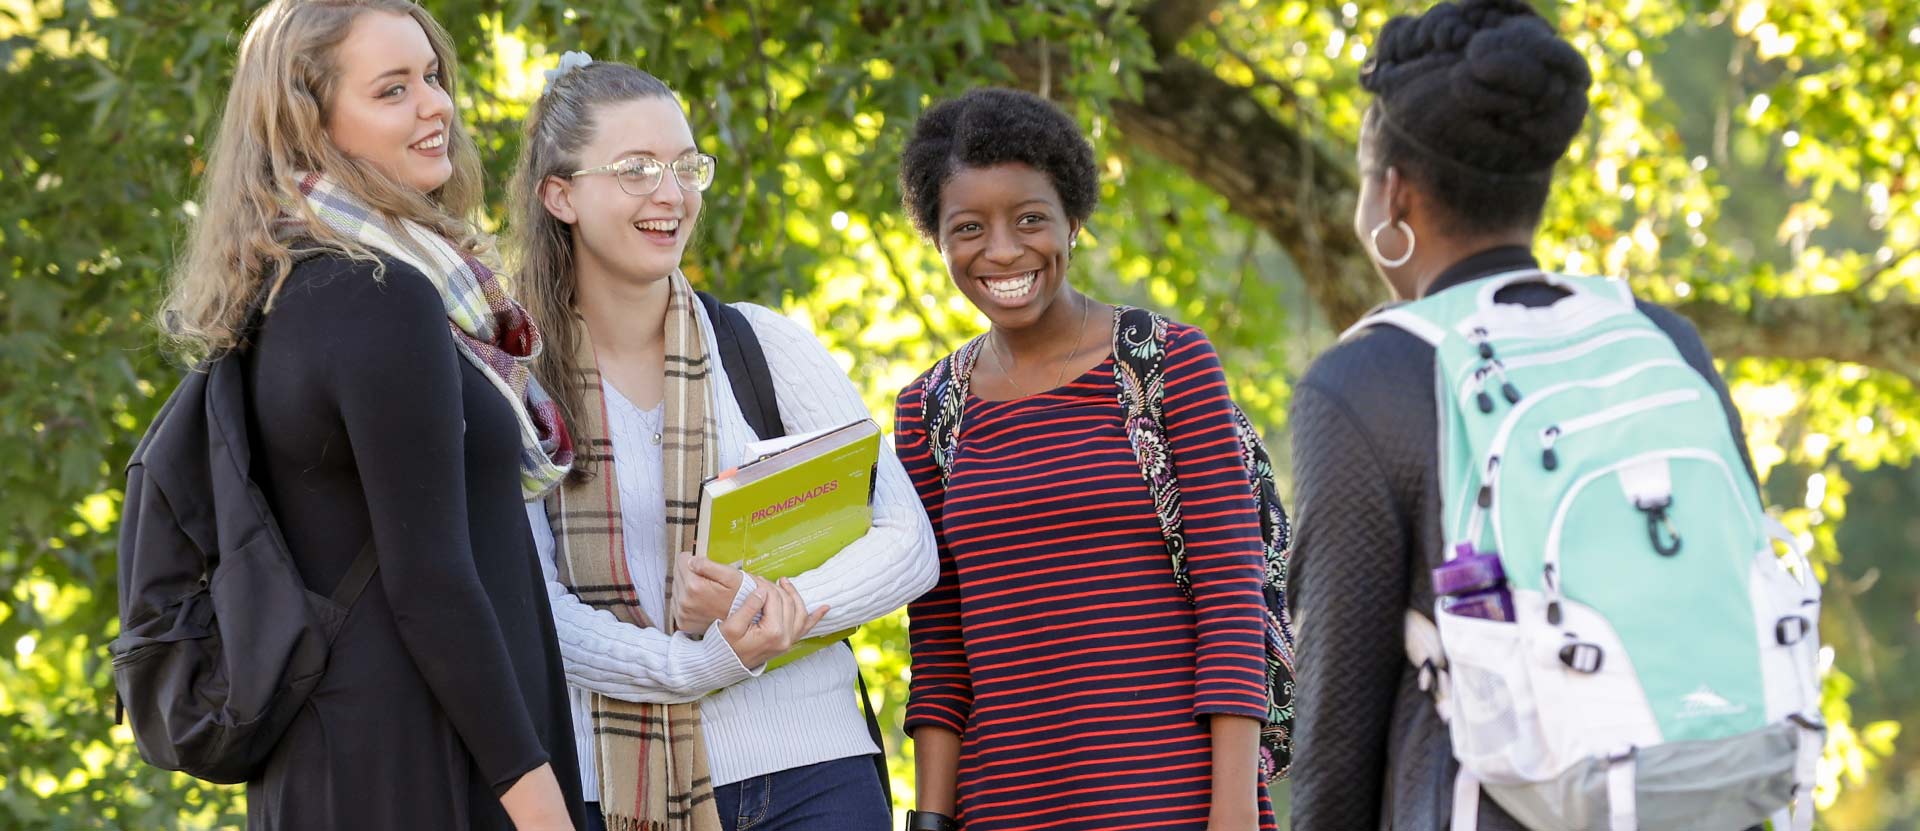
(220, 641)
(1140, 350)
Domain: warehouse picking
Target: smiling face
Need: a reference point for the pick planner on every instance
(640, 237)
(1006, 240)
(389, 108)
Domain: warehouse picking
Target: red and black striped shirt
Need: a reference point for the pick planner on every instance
(1056, 642)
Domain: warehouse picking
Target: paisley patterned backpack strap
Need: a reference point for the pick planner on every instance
(944, 400)
(1139, 360)
(1140, 351)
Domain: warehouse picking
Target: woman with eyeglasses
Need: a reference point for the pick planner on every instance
(676, 714)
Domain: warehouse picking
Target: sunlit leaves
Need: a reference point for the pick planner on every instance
(1737, 149)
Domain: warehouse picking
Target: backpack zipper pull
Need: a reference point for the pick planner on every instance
(1479, 339)
(1507, 389)
(1485, 499)
(1489, 364)
(1553, 594)
(1549, 459)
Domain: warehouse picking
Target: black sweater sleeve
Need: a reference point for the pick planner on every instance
(382, 353)
(1350, 583)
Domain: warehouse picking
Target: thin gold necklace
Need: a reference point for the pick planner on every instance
(1079, 334)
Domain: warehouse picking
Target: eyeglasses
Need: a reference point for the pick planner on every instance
(642, 175)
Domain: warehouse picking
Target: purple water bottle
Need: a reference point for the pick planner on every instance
(1473, 584)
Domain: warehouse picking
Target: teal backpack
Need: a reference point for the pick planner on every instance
(1651, 662)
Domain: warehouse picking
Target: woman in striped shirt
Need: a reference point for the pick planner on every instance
(1061, 680)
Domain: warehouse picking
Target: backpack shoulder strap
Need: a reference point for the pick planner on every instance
(357, 577)
(943, 402)
(1399, 317)
(1139, 357)
(746, 365)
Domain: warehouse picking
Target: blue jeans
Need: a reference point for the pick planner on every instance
(838, 795)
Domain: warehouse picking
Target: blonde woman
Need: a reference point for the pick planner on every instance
(392, 403)
(608, 191)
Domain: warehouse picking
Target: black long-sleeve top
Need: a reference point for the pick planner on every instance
(445, 683)
(1370, 750)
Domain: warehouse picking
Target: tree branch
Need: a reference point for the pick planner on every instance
(909, 299)
(1883, 269)
(1268, 172)
(1168, 21)
(1303, 196)
(1845, 327)
(1260, 75)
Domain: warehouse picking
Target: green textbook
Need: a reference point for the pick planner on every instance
(799, 502)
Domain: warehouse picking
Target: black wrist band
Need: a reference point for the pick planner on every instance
(931, 821)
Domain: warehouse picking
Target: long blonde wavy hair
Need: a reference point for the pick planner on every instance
(541, 246)
(273, 130)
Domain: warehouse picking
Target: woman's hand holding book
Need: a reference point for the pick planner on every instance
(703, 592)
(769, 623)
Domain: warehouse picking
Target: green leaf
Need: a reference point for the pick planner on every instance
(96, 168)
(105, 87)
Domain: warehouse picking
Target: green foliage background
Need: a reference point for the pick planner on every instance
(1740, 153)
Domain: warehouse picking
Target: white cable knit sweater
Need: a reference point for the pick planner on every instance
(757, 723)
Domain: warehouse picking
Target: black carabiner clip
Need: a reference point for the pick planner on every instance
(1658, 521)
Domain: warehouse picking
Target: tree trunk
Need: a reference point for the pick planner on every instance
(1297, 192)
(1269, 173)
(1823, 327)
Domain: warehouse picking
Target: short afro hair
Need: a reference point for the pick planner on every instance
(1476, 101)
(988, 127)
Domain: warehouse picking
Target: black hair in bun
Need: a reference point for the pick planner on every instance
(1477, 100)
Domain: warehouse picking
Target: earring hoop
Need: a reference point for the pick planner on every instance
(1374, 238)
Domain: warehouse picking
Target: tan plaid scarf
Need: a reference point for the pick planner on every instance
(652, 757)
(489, 328)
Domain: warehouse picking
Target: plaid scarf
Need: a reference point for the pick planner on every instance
(491, 330)
(652, 757)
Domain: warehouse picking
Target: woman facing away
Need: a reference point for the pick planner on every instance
(1061, 679)
(608, 191)
(1473, 104)
(390, 399)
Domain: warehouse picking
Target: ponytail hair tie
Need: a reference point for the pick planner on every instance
(568, 62)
